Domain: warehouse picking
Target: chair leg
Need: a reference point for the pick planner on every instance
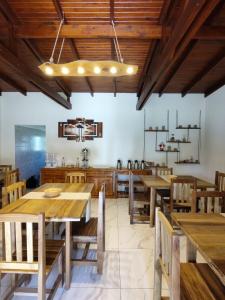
(61, 267)
(100, 260)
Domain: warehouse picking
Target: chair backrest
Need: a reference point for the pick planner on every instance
(208, 202)
(5, 168)
(181, 190)
(101, 219)
(13, 192)
(11, 177)
(220, 181)
(164, 171)
(18, 253)
(75, 177)
(167, 257)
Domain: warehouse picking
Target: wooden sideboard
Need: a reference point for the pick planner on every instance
(95, 175)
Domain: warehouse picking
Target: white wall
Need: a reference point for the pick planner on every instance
(123, 126)
(215, 133)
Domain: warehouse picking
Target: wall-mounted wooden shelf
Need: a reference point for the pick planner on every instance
(188, 127)
(156, 130)
(187, 162)
(179, 142)
(167, 151)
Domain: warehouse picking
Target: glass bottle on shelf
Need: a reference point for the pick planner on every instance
(63, 162)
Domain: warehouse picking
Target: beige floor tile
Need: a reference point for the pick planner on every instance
(136, 237)
(91, 294)
(87, 276)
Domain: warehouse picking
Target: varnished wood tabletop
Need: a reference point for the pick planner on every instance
(206, 232)
(54, 210)
(68, 187)
(152, 181)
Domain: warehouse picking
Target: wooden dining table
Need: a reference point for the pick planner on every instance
(163, 182)
(205, 233)
(56, 210)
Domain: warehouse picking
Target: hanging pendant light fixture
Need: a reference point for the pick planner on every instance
(83, 68)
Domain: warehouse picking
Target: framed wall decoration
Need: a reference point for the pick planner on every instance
(80, 129)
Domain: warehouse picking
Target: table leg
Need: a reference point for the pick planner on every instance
(191, 252)
(68, 256)
(152, 207)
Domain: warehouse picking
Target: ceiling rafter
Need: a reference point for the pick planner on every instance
(12, 20)
(190, 20)
(153, 48)
(72, 42)
(13, 83)
(176, 66)
(217, 85)
(40, 59)
(10, 59)
(206, 69)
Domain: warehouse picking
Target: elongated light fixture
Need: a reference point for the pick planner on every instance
(79, 68)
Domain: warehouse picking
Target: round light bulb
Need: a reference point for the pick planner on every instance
(113, 70)
(97, 70)
(48, 70)
(65, 70)
(80, 70)
(130, 70)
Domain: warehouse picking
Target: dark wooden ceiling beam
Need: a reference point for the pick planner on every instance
(46, 31)
(193, 15)
(153, 47)
(200, 75)
(10, 59)
(176, 67)
(148, 32)
(217, 85)
(13, 83)
(71, 42)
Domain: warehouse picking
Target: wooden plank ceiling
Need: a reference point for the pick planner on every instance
(179, 45)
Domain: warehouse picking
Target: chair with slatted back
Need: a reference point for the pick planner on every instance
(11, 177)
(13, 192)
(185, 281)
(164, 194)
(220, 181)
(29, 255)
(75, 177)
(138, 204)
(92, 232)
(5, 168)
(181, 193)
(208, 202)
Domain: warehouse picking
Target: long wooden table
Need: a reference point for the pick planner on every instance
(56, 210)
(163, 182)
(205, 233)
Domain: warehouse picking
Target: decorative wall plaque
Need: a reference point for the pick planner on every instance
(80, 129)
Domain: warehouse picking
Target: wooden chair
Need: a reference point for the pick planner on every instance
(5, 168)
(13, 192)
(208, 202)
(75, 177)
(29, 256)
(164, 194)
(186, 281)
(181, 193)
(220, 181)
(11, 177)
(92, 232)
(138, 204)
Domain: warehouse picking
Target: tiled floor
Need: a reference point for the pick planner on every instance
(128, 266)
